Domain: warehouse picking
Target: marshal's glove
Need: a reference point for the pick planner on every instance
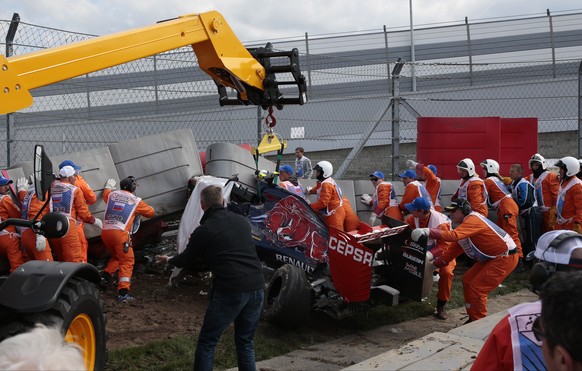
(418, 233)
(110, 184)
(22, 184)
(40, 243)
(372, 220)
(98, 223)
(411, 164)
(366, 199)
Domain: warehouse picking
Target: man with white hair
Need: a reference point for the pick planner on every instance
(42, 348)
(68, 199)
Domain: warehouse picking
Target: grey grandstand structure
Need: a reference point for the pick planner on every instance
(519, 67)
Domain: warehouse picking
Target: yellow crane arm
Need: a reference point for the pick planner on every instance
(219, 52)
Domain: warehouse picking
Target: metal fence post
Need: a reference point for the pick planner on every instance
(9, 52)
(396, 117)
(308, 65)
(469, 51)
(552, 43)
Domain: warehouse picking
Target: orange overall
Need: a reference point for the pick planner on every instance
(9, 241)
(122, 208)
(329, 203)
(90, 199)
(569, 205)
(494, 252)
(474, 191)
(432, 184)
(507, 209)
(351, 221)
(385, 201)
(31, 206)
(411, 191)
(437, 248)
(68, 199)
(546, 191)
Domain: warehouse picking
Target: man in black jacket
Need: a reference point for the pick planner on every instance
(223, 242)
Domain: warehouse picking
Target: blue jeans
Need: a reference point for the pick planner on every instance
(244, 309)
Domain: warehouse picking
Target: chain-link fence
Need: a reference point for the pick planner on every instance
(511, 68)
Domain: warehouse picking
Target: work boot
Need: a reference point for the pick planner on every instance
(124, 298)
(519, 267)
(105, 281)
(441, 313)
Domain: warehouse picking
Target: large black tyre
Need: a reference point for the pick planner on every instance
(80, 310)
(288, 298)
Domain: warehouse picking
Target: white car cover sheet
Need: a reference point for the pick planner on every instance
(193, 213)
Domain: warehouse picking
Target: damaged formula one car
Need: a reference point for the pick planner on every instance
(312, 267)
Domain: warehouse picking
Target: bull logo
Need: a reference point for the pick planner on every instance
(292, 224)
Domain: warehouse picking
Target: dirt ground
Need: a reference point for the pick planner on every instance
(161, 312)
(158, 313)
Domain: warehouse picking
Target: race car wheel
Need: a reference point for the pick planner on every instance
(288, 297)
(80, 310)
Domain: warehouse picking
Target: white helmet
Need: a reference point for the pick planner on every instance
(491, 166)
(538, 158)
(570, 165)
(468, 165)
(325, 167)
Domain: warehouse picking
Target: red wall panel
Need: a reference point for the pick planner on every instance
(444, 141)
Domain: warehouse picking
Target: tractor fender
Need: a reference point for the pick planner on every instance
(36, 285)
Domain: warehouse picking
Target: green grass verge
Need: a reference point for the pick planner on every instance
(270, 341)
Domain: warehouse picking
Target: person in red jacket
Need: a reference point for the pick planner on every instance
(68, 199)
(500, 199)
(122, 219)
(329, 196)
(546, 185)
(432, 182)
(492, 248)
(384, 201)
(569, 201)
(471, 187)
(512, 344)
(9, 241)
(422, 216)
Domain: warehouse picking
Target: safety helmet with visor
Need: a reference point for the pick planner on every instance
(467, 164)
(325, 169)
(491, 166)
(539, 159)
(570, 165)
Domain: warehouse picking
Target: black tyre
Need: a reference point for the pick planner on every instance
(80, 310)
(288, 298)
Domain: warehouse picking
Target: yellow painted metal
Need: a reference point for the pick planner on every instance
(220, 54)
(270, 143)
(82, 333)
(12, 94)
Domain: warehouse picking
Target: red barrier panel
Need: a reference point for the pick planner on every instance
(444, 141)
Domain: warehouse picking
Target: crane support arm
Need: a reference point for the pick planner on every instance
(219, 52)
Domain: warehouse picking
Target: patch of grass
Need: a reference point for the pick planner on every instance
(270, 341)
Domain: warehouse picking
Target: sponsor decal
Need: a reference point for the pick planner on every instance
(413, 258)
(344, 248)
(289, 260)
(412, 269)
(415, 246)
